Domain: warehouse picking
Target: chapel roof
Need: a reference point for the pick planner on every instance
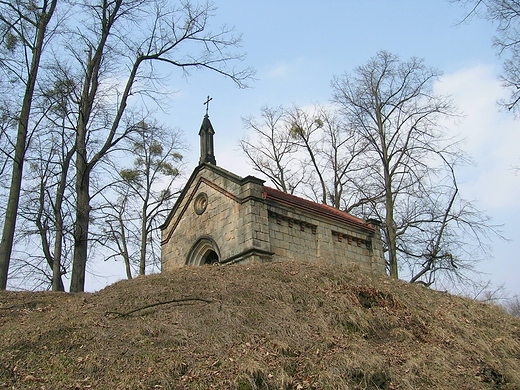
(316, 208)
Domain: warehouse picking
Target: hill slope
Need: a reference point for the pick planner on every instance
(260, 326)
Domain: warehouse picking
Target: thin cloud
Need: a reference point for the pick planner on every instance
(284, 69)
(491, 136)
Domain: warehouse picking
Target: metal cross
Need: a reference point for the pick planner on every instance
(207, 104)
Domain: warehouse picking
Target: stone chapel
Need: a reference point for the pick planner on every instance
(223, 218)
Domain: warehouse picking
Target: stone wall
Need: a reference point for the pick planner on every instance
(241, 220)
(231, 218)
(297, 235)
(292, 236)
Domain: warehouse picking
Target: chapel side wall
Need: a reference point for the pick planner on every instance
(297, 235)
(292, 237)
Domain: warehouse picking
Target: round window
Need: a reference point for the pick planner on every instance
(201, 203)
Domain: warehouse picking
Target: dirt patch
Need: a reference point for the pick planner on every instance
(259, 326)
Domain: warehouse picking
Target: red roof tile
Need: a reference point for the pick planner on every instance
(321, 209)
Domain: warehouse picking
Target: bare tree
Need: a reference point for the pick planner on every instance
(506, 16)
(119, 41)
(309, 151)
(512, 306)
(125, 49)
(382, 153)
(118, 227)
(332, 150)
(44, 215)
(410, 180)
(305, 130)
(48, 196)
(391, 104)
(24, 28)
(144, 195)
(271, 150)
(443, 236)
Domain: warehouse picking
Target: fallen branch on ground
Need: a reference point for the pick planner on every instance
(157, 304)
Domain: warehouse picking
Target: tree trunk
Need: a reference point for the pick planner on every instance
(6, 245)
(126, 257)
(389, 194)
(57, 283)
(77, 282)
(144, 229)
(391, 234)
(79, 261)
(83, 167)
(144, 237)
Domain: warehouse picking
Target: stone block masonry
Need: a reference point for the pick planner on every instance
(221, 217)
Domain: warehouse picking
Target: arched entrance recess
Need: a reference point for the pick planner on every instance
(205, 251)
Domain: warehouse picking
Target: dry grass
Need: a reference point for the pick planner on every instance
(260, 326)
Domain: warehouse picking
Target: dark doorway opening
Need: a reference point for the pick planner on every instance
(210, 258)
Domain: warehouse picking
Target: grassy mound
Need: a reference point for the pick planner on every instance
(260, 326)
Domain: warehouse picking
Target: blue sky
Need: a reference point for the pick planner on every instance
(298, 46)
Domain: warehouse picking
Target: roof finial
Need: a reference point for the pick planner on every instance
(207, 154)
(206, 103)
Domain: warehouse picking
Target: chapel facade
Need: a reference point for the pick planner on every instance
(223, 218)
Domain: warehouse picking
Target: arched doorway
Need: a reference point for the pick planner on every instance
(205, 251)
(211, 257)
